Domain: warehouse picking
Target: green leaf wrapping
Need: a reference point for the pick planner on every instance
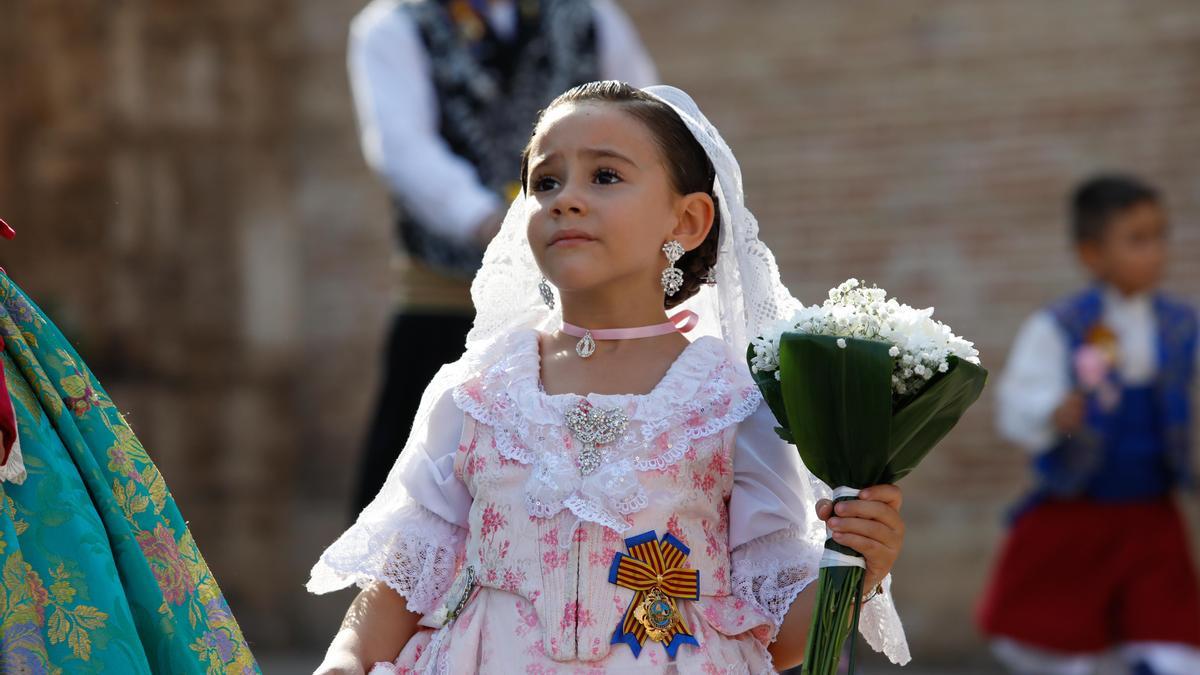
(925, 420)
(835, 404)
(838, 402)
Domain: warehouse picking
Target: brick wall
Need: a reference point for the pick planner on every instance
(194, 213)
(928, 147)
(193, 210)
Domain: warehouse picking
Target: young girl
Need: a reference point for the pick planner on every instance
(531, 528)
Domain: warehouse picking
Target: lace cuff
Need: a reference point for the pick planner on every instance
(880, 626)
(769, 572)
(412, 550)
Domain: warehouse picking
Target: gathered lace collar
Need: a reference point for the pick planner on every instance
(702, 394)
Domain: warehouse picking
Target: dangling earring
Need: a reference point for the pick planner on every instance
(672, 277)
(547, 292)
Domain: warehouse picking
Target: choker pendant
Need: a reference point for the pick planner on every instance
(586, 346)
(682, 322)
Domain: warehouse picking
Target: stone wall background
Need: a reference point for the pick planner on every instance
(194, 212)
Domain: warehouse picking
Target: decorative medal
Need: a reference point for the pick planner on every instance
(656, 615)
(654, 569)
(592, 427)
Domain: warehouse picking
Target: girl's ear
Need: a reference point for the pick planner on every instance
(693, 219)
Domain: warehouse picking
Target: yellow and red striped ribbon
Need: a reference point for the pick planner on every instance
(654, 569)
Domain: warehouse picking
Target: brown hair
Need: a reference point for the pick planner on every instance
(687, 163)
(1098, 200)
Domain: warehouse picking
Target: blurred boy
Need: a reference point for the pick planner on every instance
(1097, 388)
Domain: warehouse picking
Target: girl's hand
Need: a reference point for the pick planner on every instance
(870, 525)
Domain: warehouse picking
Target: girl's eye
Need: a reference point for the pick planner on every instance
(545, 183)
(607, 177)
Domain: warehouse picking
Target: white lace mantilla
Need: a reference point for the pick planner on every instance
(413, 551)
(701, 395)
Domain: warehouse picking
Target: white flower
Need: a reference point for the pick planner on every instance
(920, 344)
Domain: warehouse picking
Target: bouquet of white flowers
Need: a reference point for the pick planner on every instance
(864, 387)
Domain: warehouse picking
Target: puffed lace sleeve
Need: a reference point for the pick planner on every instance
(776, 538)
(412, 536)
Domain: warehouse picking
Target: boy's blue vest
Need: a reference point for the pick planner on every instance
(1140, 449)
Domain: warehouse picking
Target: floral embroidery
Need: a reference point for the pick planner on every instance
(50, 608)
(493, 522)
(165, 562)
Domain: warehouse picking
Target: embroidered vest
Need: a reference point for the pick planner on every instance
(1141, 447)
(489, 92)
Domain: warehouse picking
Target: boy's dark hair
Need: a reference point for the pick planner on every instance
(1099, 199)
(687, 164)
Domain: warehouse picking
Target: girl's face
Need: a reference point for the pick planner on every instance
(602, 201)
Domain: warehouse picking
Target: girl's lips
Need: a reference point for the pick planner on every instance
(570, 238)
(572, 241)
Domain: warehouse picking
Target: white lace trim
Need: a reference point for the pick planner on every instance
(769, 572)
(880, 625)
(412, 550)
(529, 427)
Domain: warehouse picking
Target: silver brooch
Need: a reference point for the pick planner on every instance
(592, 427)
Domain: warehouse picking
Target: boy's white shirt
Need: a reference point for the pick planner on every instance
(1036, 379)
(398, 114)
